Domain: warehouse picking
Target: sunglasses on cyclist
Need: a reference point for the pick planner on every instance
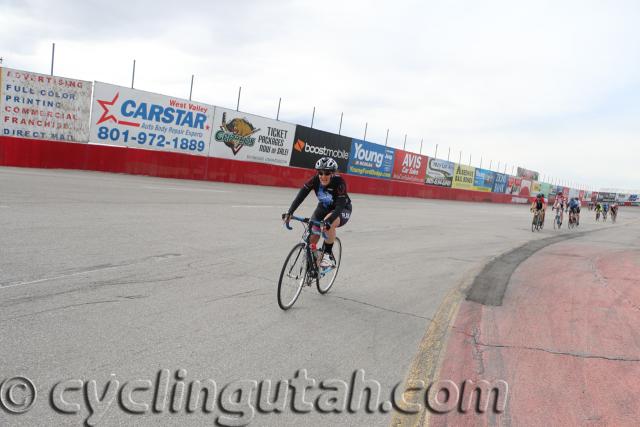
(324, 173)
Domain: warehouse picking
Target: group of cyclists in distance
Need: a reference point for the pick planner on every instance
(571, 206)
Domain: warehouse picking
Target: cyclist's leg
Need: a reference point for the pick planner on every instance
(318, 215)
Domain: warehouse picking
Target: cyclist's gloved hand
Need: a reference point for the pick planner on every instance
(326, 225)
(286, 217)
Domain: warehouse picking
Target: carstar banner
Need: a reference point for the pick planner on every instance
(410, 167)
(440, 172)
(311, 144)
(242, 136)
(368, 159)
(463, 177)
(500, 184)
(39, 106)
(484, 180)
(137, 119)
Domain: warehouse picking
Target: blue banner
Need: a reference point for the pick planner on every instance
(500, 183)
(484, 179)
(368, 159)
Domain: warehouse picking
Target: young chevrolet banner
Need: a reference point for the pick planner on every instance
(368, 159)
(463, 177)
(133, 118)
(39, 106)
(484, 180)
(242, 136)
(439, 172)
(410, 167)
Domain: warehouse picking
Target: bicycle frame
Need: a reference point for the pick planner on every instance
(306, 237)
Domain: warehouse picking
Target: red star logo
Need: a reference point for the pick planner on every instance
(106, 116)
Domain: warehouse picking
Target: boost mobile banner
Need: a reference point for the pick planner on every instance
(368, 159)
(44, 107)
(311, 144)
(439, 172)
(464, 177)
(133, 118)
(242, 136)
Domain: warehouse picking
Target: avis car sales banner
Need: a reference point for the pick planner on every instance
(39, 106)
(242, 136)
(133, 118)
(484, 180)
(463, 177)
(368, 159)
(439, 172)
(410, 167)
(500, 184)
(311, 144)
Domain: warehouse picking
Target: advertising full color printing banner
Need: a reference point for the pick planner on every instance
(440, 172)
(39, 106)
(368, 159)
(410, 167)
(545, 188)
(484, 180)
(311, 144)
(500, 184)
(528, 174)
(463, 177)
(133, 118)
(242, 136)
(513, 186)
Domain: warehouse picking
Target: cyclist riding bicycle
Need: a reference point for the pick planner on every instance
(574, 209)
(605, 210)
(560, 205)
(614, 211)
(539, 206)
(334, 205)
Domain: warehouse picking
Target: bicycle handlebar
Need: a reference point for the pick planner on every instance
(307, 221)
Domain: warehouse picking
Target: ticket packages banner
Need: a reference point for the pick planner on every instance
(132, 118)
(311, 144)
(368, 159)
(242, 136)
(440, 172)
(500, 184)
(464, 177)
(410, 167)
(39, 106)
(484, 180)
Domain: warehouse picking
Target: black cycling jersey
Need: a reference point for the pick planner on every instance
(333, 197)
(539, 204)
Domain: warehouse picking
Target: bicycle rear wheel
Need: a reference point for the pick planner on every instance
(292, 277)
(328, 276)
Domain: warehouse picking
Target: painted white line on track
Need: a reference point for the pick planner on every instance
(252, 206)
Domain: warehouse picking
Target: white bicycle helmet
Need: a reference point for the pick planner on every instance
(326, 164)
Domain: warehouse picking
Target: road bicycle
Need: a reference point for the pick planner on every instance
(537, 224)
(302, 265)
(557, 221)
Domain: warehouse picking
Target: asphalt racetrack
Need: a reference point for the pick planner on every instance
(106, 276)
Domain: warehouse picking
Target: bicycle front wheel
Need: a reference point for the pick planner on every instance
(328, 276)
(292, 277)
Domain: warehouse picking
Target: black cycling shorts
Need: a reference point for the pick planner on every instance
(322, 212)
(575, 210)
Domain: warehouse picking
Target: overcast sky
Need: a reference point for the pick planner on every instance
(552, 86)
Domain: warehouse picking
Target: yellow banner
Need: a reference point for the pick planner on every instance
(463, 177)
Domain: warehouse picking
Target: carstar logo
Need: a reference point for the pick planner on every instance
(106, 105)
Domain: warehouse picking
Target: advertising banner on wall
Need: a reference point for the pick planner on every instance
(621, 197)
(513, 186)
(133, 118)
(369, 159)
(606, 197)
(573, 192)
(410, 167)
(545, 188)
(500, 184)
(527, 174)
(633, 197)
(311, 144)
(484, 180)
(525, 187)
(40, 106)
(242, 136)
(439, 172)
(463, 177)
(535, 187)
